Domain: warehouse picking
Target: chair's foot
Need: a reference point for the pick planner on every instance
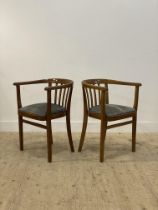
(50, 160)
(133, 149)
(80, 145)
(102, 153)
(50, 153)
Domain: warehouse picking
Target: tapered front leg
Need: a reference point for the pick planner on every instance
(21, 132)
(84, 127)
(51, 134)
(49, 141)
(134, 126)
(103, 128)
(69, 131)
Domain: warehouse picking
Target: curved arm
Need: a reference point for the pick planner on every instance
(18, 92)
(58, 87)
(116, 82)
(30, 82)
(93, 86)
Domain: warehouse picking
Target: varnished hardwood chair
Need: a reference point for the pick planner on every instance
(59, 93)
(96, 105)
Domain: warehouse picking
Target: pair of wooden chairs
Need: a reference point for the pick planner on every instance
(96, 105)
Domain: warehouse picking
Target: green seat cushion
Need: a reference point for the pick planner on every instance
(40, 109)
(113, 110)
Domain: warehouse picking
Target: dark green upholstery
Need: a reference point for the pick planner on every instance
(41, 108)
(113, 110)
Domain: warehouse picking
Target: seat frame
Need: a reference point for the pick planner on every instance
(62, 92)
(95, 92)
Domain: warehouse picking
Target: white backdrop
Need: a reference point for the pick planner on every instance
(115, 39)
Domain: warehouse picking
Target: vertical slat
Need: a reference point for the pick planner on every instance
(63, 97)
(95, 97)
(91, 97)
(107, 95)
(55, 94)
(90, 102)
(87, 96)
(60, 94)
(66, 92)
(67, 97)
(99, 94)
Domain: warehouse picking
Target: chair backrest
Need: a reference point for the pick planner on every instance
(95, 92)
(61, 91)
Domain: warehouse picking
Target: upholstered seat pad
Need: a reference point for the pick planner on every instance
(40, 109)
(113, 110)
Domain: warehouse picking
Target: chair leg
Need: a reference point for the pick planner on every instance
(51, 134)
(103, 129)
(84, 127)
(21, 133)
(134, 125)
(68, 124)
(49, 141)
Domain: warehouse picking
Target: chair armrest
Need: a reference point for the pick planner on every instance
(116, 82)
(30, 82)
(92, 86)
(135, 84)
(136, 94)
(18, 92)
(58, 87)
